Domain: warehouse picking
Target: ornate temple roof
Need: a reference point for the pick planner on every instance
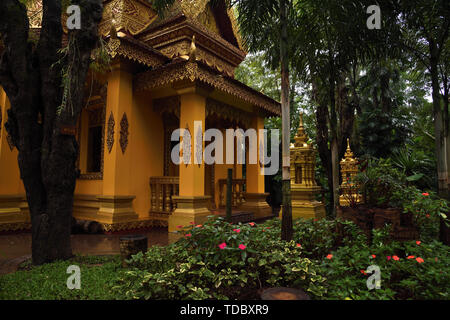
(135, 32)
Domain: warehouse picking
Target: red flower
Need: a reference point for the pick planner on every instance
(436, 259)
(363, 272)
(427, 215)
(179, 227)
(222, 245)
(188, 235)
(299, 245)
(419, 260)
(329, 256)
(198, 226)
(425, 194)
(251, 223)
(373, 256)
(192, 222)
(237, 230)
(388, 257)
(395, 258)
(410, 257)
(242, 247)
(418, 242)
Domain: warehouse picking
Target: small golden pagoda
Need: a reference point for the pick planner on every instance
(303, 183)
(349, 170)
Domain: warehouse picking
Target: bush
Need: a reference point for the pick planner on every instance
(221, 261)
(409, 270)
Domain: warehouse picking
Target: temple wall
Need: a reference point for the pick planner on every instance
(147, 151)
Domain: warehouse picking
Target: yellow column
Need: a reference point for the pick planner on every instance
(116, 201)
(255, 196)
(192, 204)
(13, 206)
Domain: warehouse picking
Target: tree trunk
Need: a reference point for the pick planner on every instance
(334, 138)
(438, 123)
(44, 137)
(286, 217)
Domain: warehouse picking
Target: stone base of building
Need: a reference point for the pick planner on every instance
(14, 213)
(190, 210)
(256, 203)
(304, 203)
(116, 209)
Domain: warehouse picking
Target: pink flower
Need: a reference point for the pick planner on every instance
(425, 194)
(329, 256)
(188, 235)
(419, 260)
(222, 245)
(242, 247)
(388, 257)
(192, 222)
(410, 257)
(237, 230)
(299, 245)
(251, 223)
(418, 242)
(198, 226)
(179, 227)
(395, 258)
(373, 256)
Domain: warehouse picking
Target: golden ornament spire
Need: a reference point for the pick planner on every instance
(301, 138)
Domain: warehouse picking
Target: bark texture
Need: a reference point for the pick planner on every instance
(40, 124)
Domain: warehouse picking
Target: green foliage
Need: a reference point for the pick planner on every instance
(196, 267)
(409, 277)
(49, 281)
(378, 182)
(427, 210)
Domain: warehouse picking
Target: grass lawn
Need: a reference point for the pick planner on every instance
(49, 281)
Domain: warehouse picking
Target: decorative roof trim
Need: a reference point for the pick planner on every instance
(135, 50)
(196, 71)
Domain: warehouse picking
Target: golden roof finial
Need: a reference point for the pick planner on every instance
(113, 29)
(192, 50)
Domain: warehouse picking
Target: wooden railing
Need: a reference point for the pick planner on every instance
(237, 189)
(162, 190)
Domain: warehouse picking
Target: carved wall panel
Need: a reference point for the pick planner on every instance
(123, 133)
(110, 134)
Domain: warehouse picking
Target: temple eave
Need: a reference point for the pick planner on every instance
(184, 70)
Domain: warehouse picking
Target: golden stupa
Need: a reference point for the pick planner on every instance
(303, 183)
(349, 170)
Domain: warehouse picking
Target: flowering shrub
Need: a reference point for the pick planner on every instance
(222, 261)
(328, 259)
(427, 210)
(409, 270)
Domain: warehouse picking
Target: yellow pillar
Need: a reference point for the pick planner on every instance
(192, 204)
(13, 207)
(255, 195)
(116, 201)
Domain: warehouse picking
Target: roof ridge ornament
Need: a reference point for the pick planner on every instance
(192, 50)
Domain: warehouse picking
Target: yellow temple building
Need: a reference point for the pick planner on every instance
(165, 74)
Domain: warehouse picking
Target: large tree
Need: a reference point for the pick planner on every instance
(425, 27)
(44, 82)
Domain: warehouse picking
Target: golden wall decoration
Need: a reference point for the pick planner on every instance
(123, 133)
(110, 135)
